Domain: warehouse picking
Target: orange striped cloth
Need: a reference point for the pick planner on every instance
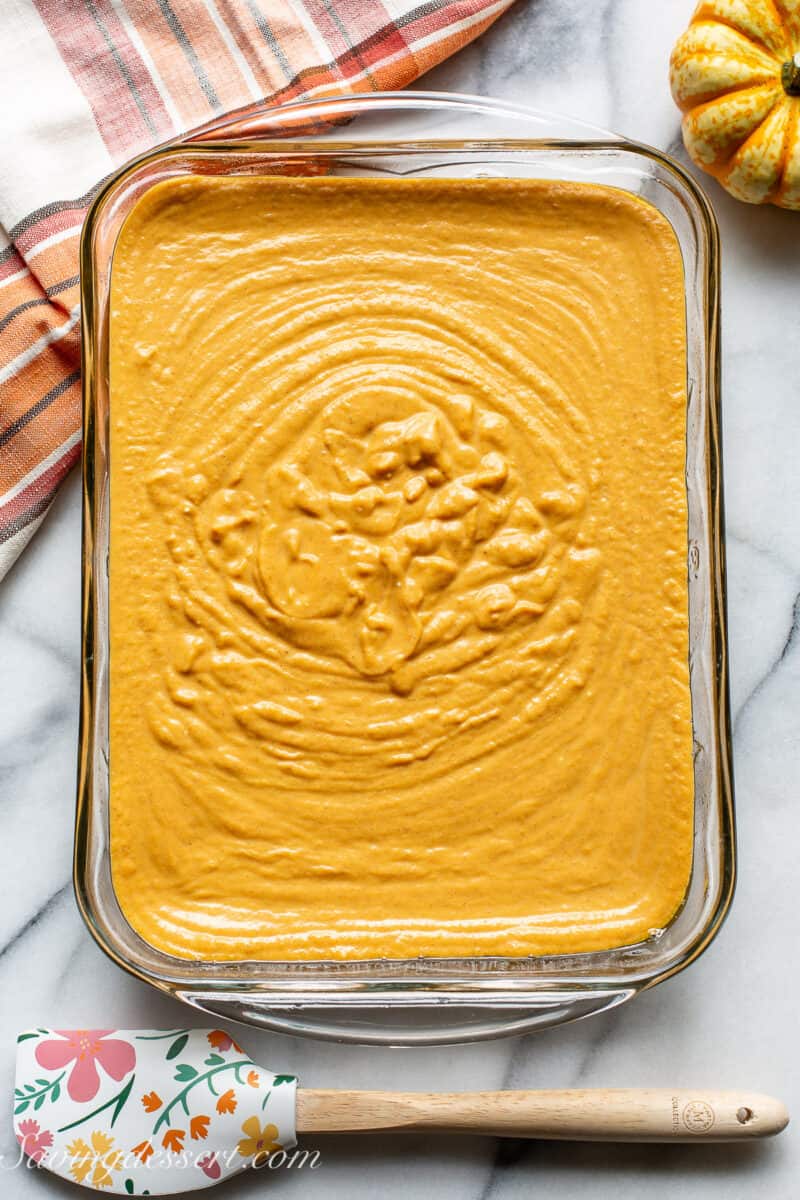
(87, 84)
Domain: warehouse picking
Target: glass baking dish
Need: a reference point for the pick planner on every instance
(415, 134)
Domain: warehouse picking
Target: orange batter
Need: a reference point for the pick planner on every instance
(399, 657)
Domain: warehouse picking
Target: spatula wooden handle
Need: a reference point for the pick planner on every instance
(620, 1115)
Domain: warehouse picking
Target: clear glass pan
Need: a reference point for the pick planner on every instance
(422, 1000)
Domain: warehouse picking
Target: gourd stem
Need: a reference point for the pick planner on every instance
(790, 76)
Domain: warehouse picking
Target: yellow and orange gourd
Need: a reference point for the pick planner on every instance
(735, 74)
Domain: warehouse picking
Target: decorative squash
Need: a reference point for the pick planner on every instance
(735, 73)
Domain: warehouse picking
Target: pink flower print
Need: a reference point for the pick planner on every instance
(209, 1166)
(86, 1048)
(219, 1040)
(34, 1142)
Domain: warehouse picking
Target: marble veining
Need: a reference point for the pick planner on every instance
(729, 1020)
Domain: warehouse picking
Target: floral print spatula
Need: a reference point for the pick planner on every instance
(157, 1113)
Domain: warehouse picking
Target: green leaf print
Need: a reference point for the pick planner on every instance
(159, 1037)
(206, 1077)
(118, 1101)
(177, 1046)
(184, 1073)
(29, 1093)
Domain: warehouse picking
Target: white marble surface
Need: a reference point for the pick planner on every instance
(730, 1020)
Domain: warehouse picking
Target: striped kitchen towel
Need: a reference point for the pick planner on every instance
(87, 84)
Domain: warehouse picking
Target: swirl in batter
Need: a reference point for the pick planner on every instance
(398, 594)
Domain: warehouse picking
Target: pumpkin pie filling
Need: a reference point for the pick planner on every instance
(398, 596)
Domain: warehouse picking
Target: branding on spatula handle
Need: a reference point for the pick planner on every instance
(695, 1115)
(148, 1112)
(698, 1116)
